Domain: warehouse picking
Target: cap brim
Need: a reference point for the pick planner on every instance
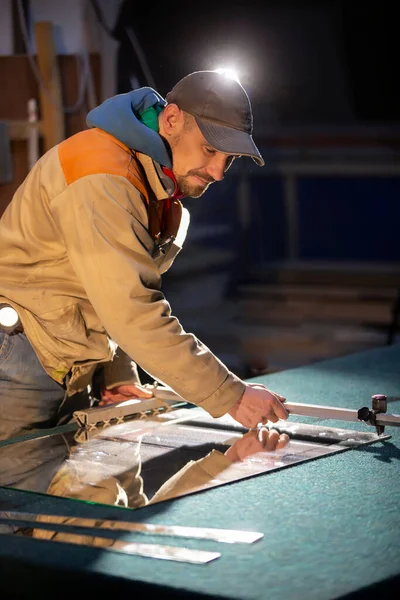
(229, 140)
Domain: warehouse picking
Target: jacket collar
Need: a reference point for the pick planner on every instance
(161, 180)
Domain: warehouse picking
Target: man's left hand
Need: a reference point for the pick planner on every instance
(124, 392)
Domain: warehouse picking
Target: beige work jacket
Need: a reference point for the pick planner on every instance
(79, 261)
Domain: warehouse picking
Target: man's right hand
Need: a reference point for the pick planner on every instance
(258, 405)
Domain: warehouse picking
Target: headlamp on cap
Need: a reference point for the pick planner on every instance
(231, 73)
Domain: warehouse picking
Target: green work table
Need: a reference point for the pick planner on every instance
(331, 526)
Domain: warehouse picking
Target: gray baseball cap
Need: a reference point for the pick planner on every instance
(222, 111)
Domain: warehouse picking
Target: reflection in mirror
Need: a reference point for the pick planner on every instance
(163, 456)
(132, 464)
(152, 459)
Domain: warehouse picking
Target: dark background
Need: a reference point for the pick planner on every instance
(324, 61)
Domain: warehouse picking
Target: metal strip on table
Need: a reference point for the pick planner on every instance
(227, 536)
(175, 553)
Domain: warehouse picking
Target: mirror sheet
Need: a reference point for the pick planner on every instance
(144, 461)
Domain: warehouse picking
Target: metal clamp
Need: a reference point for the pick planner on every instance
(379, 406)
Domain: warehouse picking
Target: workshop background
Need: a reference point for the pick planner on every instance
(283, 266)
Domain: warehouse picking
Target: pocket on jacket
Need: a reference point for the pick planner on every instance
(63, 320)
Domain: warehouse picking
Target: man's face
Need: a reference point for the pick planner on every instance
(195, 163)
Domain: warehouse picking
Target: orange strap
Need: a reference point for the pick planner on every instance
(94, 151)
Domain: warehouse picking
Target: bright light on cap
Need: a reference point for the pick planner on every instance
(231, 73)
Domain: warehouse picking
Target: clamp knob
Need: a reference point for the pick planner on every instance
(364, 414)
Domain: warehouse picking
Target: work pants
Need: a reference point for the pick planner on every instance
(30, 399)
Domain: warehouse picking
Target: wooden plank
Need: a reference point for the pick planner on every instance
(19, 129)
(21, 86)
(51, 98)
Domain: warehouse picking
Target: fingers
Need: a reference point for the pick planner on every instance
(124, 392)
(276, 412)
(283, 441)
(260, 386)
(279, 409)
(143, 392)
(258, 404)
(272, 440)
(134, 391)
(113, 400)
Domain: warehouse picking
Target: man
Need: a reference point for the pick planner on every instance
(83, 245)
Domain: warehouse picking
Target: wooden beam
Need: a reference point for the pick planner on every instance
(19, 130)
(51, 102)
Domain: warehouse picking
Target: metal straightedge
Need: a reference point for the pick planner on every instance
(104, 416)
(375, 416)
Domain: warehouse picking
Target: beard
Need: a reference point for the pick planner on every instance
(189, 188)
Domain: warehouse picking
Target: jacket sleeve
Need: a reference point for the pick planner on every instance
(122, 370)
(103, 221)
(195, 476)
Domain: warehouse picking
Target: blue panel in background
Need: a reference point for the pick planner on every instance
(268, 231)
(349, 218)
(219, 207)
(216, 209)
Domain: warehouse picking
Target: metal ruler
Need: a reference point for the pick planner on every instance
(228, 536)
(175, 553)
(341, 414)
(92, 418)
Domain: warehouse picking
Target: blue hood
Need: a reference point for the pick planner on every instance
(117, 116)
